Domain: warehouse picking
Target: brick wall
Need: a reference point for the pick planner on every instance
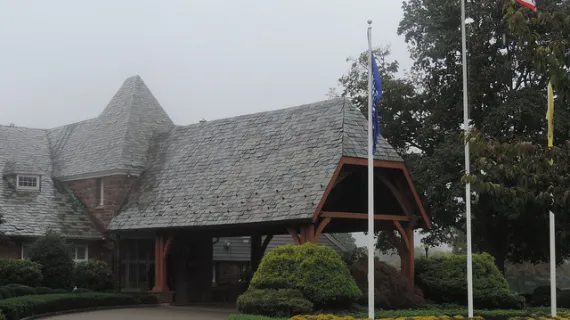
(9, 249)
(115, 189)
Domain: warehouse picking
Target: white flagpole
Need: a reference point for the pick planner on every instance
(552, 267)
(467, 164)
(370, 183)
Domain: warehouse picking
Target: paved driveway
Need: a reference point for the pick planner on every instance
(170, 313)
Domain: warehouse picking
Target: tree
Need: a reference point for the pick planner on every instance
(346, 239)
(512, 54)
(52, 253)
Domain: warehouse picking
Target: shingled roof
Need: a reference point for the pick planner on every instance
(269, 166)
(116, 141)
(28, 213)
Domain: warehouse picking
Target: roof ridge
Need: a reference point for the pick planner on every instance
(130, 112)
(320, 102)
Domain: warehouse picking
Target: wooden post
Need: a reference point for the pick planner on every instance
(256, 254)
(159, 265)
(411, 262)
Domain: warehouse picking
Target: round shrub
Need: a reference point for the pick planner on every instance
(442, 280)
(391, 289)
(93, 275)
(541, 296)
(317, 271)
(23, 272)
(274, 302)
(51, 252)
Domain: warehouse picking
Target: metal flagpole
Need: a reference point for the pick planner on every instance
(552, 267)
(467, 169)
(370, 183)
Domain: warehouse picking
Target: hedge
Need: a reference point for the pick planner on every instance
(250, 317)
(442, 280)
(93, 275)
(275, 303)
(20, 271)
(25, 306)
(391, 289)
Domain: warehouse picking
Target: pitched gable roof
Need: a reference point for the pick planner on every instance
(269, 166)
(24, 150)
(117, 140)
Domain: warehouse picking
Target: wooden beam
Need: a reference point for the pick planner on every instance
(266, 242)
(330, 186)
(349, 215)
(295, 236)
(310, 233)
(320, 229)
(377, 163)
(410, 269)
(397, 194)
(403, 234)
(417, 197)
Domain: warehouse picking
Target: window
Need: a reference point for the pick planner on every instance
(99, 194)
(137, 264)
(25, 251)
(27, 182)
(79, 252)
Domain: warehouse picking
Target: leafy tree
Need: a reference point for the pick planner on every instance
(346, 239)
(512, 54)
(51, 252)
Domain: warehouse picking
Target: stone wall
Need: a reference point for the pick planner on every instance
(115, 189)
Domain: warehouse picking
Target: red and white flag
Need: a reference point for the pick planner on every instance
(531, 4)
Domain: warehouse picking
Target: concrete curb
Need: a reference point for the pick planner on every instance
(57, 313)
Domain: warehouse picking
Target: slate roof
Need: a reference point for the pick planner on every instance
(29, 213)
(117, 140)
(269, 166)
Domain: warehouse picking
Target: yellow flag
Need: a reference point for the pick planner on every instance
(550, 115)
(550, 118)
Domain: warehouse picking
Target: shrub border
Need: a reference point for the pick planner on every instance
(57, 313)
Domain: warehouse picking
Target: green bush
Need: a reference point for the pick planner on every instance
(442, 280)
(82, 290)
(540, 296)
(251, 317)
(94, 275)
(274, 302)
(5, 293)
(563, 299)
(23, 272)
(20, 307)
(44, 290)
(59, 291)
(51, 252)
(317, 271)
(391, 289)
(17, 290)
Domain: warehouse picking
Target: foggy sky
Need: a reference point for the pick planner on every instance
(62, 61)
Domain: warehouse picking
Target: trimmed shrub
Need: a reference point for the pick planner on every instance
(20, 307)
(274, 302)
(317, 271)
(252, 317)
(442, 280)
(81, 290)
(563, 299)
(540, 296)
(18, 271)
(44, 290)
(325, 317)
(391, 288)
(17, 290)
(93, 275)
(59, 291)
(51, 252)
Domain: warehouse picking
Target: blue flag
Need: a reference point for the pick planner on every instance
(376, 94)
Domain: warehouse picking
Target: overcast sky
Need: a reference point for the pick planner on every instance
(62, 61)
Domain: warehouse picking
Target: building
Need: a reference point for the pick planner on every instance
(149, 197)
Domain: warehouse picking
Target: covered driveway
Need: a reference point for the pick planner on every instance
(171, 313)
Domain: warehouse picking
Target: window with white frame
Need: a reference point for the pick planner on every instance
(79, 252)
(28, 182)
(25, 254)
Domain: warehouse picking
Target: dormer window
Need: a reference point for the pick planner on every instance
(28, 182)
